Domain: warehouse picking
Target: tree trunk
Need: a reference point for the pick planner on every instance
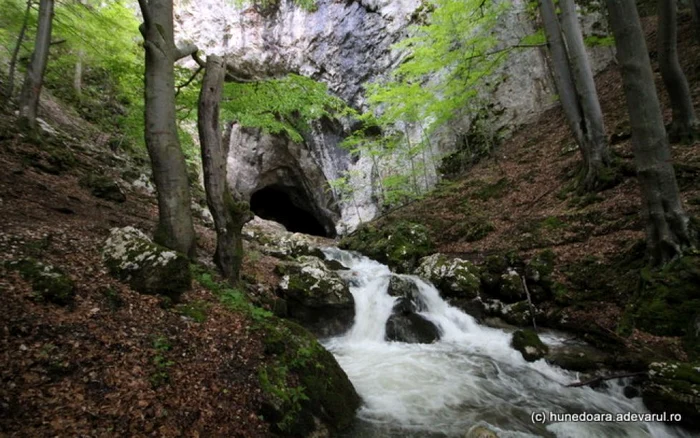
(684, 126)
(667, 225)
(695, 5)
(229, 214)
(595, 148)
(10, 88)
(31, 89)
(175, 229)
(78, 75)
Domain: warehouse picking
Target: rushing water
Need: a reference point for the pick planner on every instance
(471, 376)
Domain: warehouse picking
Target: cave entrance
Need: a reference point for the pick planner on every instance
(287, 206)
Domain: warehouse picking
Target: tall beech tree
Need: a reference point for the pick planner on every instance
(574, 81)
(668, 231)
(175, 229)
(230, 213)
(34, 79)
(685, 126)
(10, 87)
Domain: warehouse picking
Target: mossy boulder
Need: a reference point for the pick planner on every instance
(529, 345)
(399, 245)
(148, 268)
(102, 187)
(403, 288)
(455, 278)
(674, 387)
(274, 240)
(302, 383)
(49, 283)
(500, 278)
(316, 296)
(668, 302)
(577, 357)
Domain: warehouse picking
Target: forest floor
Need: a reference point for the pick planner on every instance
(116, 362)
(523, 195)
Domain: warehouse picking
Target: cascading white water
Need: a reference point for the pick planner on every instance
(470, 376)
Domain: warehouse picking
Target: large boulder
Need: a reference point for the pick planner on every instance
(406, 325)
(103, 187)
(316, 296)
(455, 278)
(529, 345)
(305, 391)
(148, 268)
(274, 240)
(674, 388)
(398, 245)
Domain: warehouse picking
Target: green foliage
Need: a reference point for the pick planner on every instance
(196, 310)
(281, 106)
(161, 363)
(232, 298)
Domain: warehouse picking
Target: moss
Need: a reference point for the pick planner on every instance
(303, 381)
(102, 187)
(674, 387)
(493, 191)
(553, 223)
(49, 283)
(196, 310)
(399, 245)
(668, 301)
(529, 345)
(476, 228)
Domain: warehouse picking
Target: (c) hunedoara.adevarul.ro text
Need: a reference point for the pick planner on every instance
(542, 417)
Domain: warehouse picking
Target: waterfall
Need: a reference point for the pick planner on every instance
(470, 376)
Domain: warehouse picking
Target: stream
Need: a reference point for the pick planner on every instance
(470, 376)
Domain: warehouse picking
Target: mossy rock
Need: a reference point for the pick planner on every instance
(480, 432)
(529, 345)
(316, 296)
(674, 387)
(49, 283)
(668, 303)
(454, 277)
(102, 187)
(148, 268)
(303, 383)
(399, 244)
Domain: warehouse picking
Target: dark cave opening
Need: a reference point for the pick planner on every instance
(277, 204)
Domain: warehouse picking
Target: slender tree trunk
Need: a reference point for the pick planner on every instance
(668, 232)
(10, 88)
(695, 6)
(684, 126)
(78, 75)
(595, 148)
(31, 89)
(229, 214)
(561, 70)
(175, 229)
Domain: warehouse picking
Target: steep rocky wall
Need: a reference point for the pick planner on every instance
(346, 44)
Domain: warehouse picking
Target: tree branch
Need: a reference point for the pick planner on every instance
(603, 378)
(145, 12)
(184, 50)
(189, 81)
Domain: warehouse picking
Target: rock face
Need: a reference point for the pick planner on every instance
(455, 278)
(148, 268)
(674, 388)
(316, 296)
(345, 45)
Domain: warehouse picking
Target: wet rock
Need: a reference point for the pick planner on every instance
(674, 387)
(148, 268)
(410, 327)
(480, 432)
(316, 296)
(398, 245)
(455, 278)
(577, 357)
(102, 187)
(631, 391)
(529, 345)
(49, 283)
